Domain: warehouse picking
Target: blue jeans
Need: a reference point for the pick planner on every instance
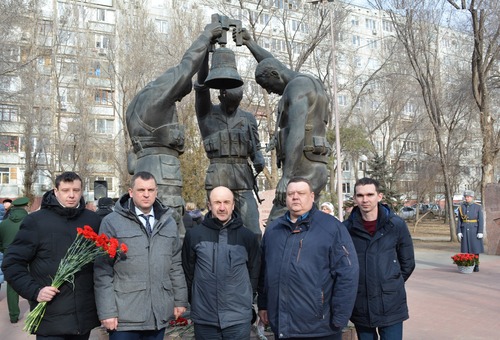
(206, 332)
(137, 335)
(392, 332)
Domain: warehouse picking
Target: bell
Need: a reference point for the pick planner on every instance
(223, 74)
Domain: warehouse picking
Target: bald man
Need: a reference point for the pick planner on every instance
(221, 261)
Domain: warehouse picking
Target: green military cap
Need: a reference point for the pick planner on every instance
(21, 201)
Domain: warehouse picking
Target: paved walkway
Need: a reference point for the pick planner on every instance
(444, 304)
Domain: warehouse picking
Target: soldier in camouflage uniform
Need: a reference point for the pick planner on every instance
(230, 137)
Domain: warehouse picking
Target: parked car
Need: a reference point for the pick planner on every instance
(436, 210)
(407, 213)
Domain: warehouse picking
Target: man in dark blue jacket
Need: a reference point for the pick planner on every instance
(221, 261)
(386, 260)
(309, 271)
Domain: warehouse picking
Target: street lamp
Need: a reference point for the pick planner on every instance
(363, 160)
(335, 107)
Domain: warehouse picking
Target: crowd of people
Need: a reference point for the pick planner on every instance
(219, 271)
(307, 275)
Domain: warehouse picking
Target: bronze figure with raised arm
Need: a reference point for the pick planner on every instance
(300, 136)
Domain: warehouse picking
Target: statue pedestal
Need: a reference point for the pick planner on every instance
(492, 222)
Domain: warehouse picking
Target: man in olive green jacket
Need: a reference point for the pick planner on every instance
(8, 230)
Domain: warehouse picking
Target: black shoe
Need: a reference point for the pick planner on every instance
(14, 321)
(476, 268)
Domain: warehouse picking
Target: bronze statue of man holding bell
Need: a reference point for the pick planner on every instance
(230, 134)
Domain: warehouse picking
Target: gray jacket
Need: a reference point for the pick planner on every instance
(142, 287)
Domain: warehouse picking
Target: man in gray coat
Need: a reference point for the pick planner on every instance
(137, 295)
(470, 226)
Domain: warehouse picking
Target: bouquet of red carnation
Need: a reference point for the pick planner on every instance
(86, 247)
(464, 259)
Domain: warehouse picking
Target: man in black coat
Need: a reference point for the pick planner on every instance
(33, 258)
(386, 260)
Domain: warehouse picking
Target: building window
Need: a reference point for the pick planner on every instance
(370, 24)
(346, 188)
(410, 146)
(354, 20)
(45, 28)
(346, 166)
(372, 43)
(9, 144)
(102, 156)
(104, 126)
(264, 19)
(161, 26)
(9, 113)
(4, 176)
(102, 41)
(387, 26)
(95, 69)
(356, 40)
(342, 100)
(103, 97)
(101, 14)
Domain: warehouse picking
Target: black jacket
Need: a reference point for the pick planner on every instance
(386, 261)
(33, 259)
(221, 265)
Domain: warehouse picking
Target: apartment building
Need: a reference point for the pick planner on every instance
(74, 120)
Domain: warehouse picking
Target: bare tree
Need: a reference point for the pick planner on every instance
(418, 29)
(484, 20)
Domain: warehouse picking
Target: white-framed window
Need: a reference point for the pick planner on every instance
(346, 188)
(356, 40)
(104, 126)
(300, 26)
(372, 43)
(292, 4)
(387, 26)
(342, 100)
(409, 108)
(346, 166)
(264, 19)
(45, 28)
(278, 45)
(102, 41)
(4, 175)
(162, 26)
(370, 24)
(354, 20)
(9, 113)
(100, 14)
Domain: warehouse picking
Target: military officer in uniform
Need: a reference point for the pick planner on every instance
(470, 226)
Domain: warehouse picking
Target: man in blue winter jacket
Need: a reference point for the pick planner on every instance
(386, 260)
(309, 271)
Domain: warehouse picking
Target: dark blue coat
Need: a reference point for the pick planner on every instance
(386, 261)
(308, 278)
